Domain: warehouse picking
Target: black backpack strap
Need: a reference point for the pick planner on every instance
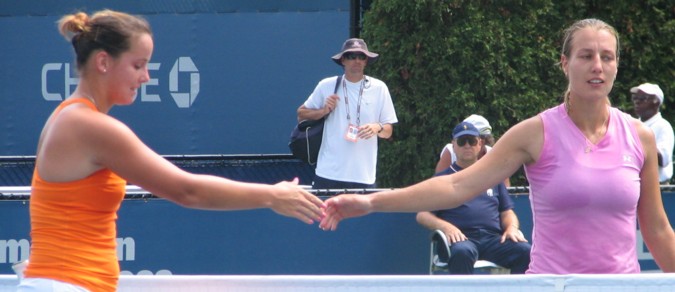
(337, 84)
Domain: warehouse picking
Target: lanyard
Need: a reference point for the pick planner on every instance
(358, 106)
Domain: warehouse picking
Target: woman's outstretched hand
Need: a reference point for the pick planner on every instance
(342, 207)
(294, 201)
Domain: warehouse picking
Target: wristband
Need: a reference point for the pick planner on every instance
(381, 128)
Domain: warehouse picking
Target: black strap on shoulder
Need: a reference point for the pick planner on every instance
(337, 84)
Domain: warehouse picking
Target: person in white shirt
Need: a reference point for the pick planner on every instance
(359, 114)
(647, 99)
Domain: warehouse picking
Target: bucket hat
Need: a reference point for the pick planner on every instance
(355, 45)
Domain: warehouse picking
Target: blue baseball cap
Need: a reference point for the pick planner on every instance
(464, 129)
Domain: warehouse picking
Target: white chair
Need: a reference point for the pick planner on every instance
(440, 255)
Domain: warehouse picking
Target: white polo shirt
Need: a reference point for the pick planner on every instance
(663, 132)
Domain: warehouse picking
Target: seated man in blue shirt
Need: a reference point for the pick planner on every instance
(484, 228)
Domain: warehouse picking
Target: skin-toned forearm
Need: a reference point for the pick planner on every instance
(652, 219)
(284, 198)
(509, 220)
(387, 131)
(511, 227)
(431, 221)
(661, 244)
(432, 194)
(311, 114)
(216, 193)
(659, 238)
(446, 191)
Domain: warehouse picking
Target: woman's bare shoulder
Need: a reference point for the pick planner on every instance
(524, 139)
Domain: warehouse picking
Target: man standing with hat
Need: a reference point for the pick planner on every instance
(647, 99)
(356, 115)
(485, 227)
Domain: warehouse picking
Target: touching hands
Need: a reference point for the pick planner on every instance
(293, 201)
(342, 207)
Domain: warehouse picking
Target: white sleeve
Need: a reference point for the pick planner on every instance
(388, 114)
(322, 90)
(665, 141)
(447, 147)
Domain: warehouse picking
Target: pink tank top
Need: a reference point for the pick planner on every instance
(584, 197)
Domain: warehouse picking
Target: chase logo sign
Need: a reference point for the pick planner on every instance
(57, 80)
(184, 99)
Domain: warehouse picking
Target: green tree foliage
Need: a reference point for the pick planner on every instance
(444, 60)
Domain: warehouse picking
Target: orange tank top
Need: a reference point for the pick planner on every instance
(73, 227)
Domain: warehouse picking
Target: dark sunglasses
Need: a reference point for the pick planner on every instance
(461, 141)
(352, 56)
(641, 97)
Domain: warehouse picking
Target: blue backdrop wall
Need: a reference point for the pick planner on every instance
(227, 76)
